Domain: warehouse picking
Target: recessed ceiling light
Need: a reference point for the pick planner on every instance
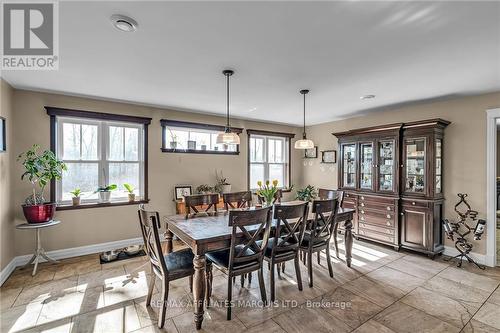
(367, 97)
(124, 23)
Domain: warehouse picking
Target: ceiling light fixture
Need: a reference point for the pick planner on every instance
(304, 143)
(124, 23)
(227, 137)
(367, 97)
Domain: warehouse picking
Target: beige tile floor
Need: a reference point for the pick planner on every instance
(385, 291)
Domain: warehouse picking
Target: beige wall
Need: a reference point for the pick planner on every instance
(6, 212)
(464, 146)
(92, 226)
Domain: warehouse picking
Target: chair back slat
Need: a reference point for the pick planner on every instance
(248, 226)
(324, 212)
(236, 200)
(196, 202)
(150, 225)
(288, 234)
(331, 194)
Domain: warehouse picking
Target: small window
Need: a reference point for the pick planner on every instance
(187, 137)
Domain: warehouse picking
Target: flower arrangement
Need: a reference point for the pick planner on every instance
(267, 191)
(307, 194)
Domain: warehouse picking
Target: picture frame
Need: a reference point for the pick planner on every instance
(311, 153)
(191, 145)
(181, 191)
(3, 135)
(329, 156)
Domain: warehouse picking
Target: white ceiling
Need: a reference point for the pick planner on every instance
(399, 51)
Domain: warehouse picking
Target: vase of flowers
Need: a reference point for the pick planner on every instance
(267, 191)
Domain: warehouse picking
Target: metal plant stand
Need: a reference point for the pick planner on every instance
(39, 251)
(462, 229)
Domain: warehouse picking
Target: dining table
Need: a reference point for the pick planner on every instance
(211, 233)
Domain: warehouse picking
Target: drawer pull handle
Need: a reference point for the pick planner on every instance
(362, 198)
(362, 204)
(388, 208)
(402, 213)
(362, 211)
(388, 223)
(413, 203)
(362, 218)
(388, 216)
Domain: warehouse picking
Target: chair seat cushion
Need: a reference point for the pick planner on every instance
(270, 245)
(307, 239)
(221, 258)
(179, 261)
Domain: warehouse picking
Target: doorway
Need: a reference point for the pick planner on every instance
(493, 187)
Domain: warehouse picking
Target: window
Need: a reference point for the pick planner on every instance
(269, 158)
(187, 137)
(98, 150)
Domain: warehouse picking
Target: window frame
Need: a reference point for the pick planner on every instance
(287, 150)
(59, 116)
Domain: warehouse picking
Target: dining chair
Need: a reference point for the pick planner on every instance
(317, 237)
(277, 197)
(330, 194)
(245, 254)
(236, 200)
(167, 267)
(201, 204)
(291, 221)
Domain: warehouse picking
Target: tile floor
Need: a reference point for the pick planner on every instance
(385, 291)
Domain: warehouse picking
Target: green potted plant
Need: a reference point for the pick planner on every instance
(307, 194)
(173, 143)
(39, 169)
(76, 196)
(105, 192)
(204, 189)
(222, 185)
(267, 191)
(130, 189)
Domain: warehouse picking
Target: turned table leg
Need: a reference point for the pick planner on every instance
(168, 240)
(348, 242)
(199, 289)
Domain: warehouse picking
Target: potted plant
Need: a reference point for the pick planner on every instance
(130, 189)
(173, 143)
(307, 194)
(76, 196)
(222, 184)
(204, 189)
(105, 192)
(267, 192)
(40, 169)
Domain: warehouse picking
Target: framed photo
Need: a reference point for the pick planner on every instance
(329, 156)
(3, 135)
(311, 153)
(191, 145)
(181, 191)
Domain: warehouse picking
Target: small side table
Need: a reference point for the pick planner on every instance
(39, 251)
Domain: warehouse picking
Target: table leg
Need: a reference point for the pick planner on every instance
(168, 239)
(199, 289)
(348, 242)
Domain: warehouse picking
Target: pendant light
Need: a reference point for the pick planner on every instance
(304, 143)
(227, 137)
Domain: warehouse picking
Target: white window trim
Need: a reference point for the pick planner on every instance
(266, 163)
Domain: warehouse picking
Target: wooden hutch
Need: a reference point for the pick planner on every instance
(392, 176)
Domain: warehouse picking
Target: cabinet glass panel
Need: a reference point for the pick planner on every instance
(349, 165)
(386, 165)
(439, 178)
(366, 165)
(415, 165)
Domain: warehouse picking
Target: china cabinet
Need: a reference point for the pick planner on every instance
(392, 176)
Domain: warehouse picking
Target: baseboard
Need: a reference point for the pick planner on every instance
(479, 258)
(68, 253)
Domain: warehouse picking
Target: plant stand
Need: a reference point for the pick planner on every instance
(39, 251)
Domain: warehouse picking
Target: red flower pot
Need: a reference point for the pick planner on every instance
(39, 213)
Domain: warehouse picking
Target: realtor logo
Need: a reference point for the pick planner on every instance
(30, 36)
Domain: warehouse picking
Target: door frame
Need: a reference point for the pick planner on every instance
(491, 167)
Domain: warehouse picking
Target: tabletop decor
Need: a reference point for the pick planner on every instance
(40, 169)
(307, 193)
(461, 227)
(222, 186)
(76, 196)
(105, 192)
(181, 191)
(267, 191)
(130, 191)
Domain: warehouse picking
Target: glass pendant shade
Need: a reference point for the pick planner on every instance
(304, 144)
(228, 138)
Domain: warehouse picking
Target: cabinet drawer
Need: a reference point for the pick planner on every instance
(414, 203)
(377, 199)
(382, 230)
(349, 204)
(368, 213)
(377, 206)
(388, 223)
(376, 236)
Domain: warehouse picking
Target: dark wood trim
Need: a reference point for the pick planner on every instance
(101, 205)
(441, 123)
(53, 111)
(187, 124)
(53, 138)
(270, 133)
(197, 151)
(371, 130)
(3, 123)
(146, 162)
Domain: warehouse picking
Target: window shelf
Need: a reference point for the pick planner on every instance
(100, 205)
(199, 151)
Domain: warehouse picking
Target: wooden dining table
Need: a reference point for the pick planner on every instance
(210, 233)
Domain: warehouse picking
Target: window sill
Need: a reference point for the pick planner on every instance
(100, 205)
(199, 151)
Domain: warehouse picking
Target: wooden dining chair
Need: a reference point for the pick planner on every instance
(246, 253)
(291, 221)
(330, 194)
(317, 237)
(237, 200)
(201, 204)
(277, 197)
(167, 267)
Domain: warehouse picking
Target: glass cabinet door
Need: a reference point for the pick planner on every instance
(415, 165)
(366, 179)
(439, 185)
(349, 165)
(386, 164)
